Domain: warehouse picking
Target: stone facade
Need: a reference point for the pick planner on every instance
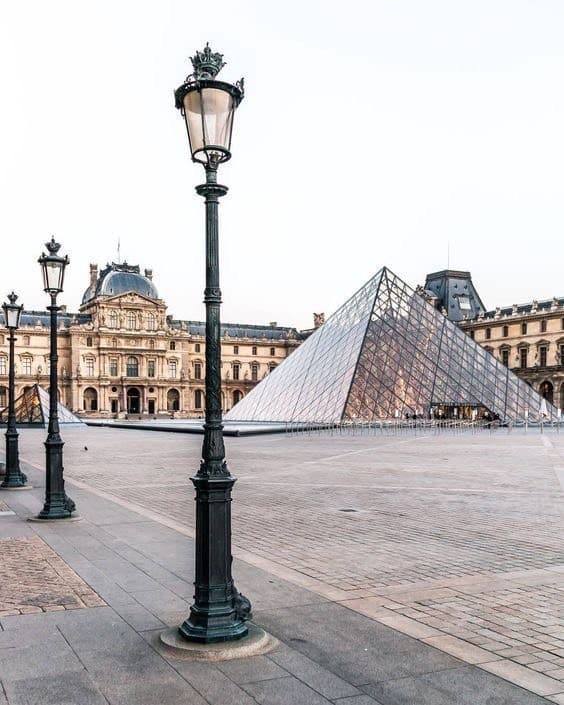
(529, 339)
(123, 355)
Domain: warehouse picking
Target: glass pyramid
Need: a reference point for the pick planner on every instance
(32, 407)
(387, 353)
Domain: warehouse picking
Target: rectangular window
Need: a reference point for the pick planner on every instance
(254, 372)
(542, 355)
(523, 357)
(197, 347)
(89, 367)
(543, 324)
(254, 349)
(113, 367)
(172, 368)
(562, 354)
(523, 329)
(150, 368)
(488, 333)
(3, 366)
(505, 331)
(505, 357)
(272, 351)
(235, 371)
(235, 350)
(26, 364)
(197, 370)
(472, 334)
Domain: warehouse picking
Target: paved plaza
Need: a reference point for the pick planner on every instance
(394, 568)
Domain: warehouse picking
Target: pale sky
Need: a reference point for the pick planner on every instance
(375, 132)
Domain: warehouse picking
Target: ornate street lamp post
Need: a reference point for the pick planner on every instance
(14, 478)
(58, 505)
(219, 612)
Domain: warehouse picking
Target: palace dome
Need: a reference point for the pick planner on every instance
(118, 279)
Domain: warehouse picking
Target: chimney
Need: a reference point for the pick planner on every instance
(273, 324)
(93, 274)
(149, 274)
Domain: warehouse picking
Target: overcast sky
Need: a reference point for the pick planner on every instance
(375, 132)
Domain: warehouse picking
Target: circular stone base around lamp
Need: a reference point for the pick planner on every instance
(256, 642)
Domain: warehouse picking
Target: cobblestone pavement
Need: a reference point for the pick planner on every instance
(453, 539)
(33, 579)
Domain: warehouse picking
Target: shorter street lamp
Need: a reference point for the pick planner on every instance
(58, 505)
(14, 478)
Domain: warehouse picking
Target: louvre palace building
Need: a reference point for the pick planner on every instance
(121, 354)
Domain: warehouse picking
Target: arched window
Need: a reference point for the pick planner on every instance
(89, 341)
(172, 368)
(197, 370)
(132, 367)
(172, 345)
(114, 342)
(547, 391)
(90, 399)
(3, 365)
(562, 396)
(272, 366)
(151, 321)
(173, 400)
(237, 396)
(131, 320)
(152, 344)
(198, 397)
(254, 371)
(113, 319)
(4, 397)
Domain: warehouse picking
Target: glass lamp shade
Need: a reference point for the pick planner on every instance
(53, 268)
(12, 312)
(208, 108)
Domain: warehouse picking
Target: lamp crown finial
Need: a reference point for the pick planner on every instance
(12, 298)
(52, 246)
(207, 64)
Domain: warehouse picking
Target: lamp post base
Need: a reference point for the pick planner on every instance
(256, 641)
(15, 488)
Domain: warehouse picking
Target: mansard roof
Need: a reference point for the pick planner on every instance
(239, 330)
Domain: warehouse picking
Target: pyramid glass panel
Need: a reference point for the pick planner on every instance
(388, 353)
(32, 407)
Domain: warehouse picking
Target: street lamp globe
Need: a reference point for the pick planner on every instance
(12, 312)
(53, 268)
(208, 107)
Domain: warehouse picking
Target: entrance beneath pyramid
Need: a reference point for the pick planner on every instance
(461, 412)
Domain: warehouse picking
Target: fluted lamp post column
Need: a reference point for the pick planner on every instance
(58, 505)
(219, 612)
(14, 479)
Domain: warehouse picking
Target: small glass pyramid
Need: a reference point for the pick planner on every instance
(32, 407)
(388, 353)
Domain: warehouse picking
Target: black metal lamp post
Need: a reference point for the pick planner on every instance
(219, 612)
(14, 477)
(57, 504)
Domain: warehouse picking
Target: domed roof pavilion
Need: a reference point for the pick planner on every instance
(116, 279)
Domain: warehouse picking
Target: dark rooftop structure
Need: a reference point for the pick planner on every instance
(454, 292)
(118, 279)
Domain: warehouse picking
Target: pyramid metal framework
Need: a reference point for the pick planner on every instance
(385, 353)
(32, 407)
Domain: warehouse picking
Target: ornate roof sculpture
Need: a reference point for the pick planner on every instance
(118, 279)
(385, 353)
